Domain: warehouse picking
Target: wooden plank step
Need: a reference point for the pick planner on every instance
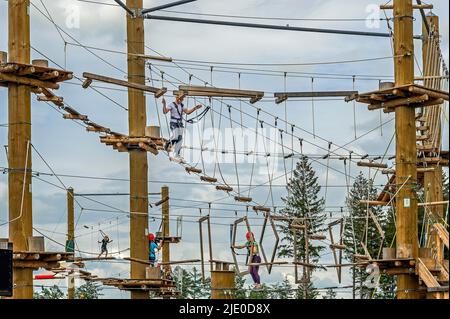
(338, 246)
(442, 233)
(422, 138)
(317, 237)
(425, 275)
(422, 128)
(224, 188)
(208, 179)
(193, 170)
(243, 199)
(261, 209)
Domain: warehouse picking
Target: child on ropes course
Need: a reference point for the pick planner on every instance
(105, 241)
(253, 257)
(176, 110)
(154, 248)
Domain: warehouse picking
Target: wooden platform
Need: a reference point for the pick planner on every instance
(36, 260)
(124, 143)
(32, 75)
(413, 95)
(160, 285)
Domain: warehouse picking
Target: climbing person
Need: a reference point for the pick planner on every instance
(253, 257)
(176, 110)
(105, 241)
(153, 249)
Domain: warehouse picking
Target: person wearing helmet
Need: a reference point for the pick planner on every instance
(105, 241)
(253, 257)
(154, 248)
(176, 110)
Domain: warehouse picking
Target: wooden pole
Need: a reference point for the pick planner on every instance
(165, 229)
(433, 178)
(70, 245)
(19, 150)
(137, 121)
(406, 150)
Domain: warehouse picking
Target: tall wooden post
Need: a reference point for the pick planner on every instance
(165, 229)
(70, 244)
(137, 121)
(433, 180)
(19, 150)
(406, 149)
(165, 226)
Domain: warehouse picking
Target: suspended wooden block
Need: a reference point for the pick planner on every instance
(75, 117)
(255, 96)
(193, 170)
(372, 165)
(361, 257)
(338, 246)
(261, 209)
(283, 96)
(41, 63)
(153, 131)
(422, 138)
(243, 199)
(208, 179)
(317, 237)
(90, 76)
(224, 188)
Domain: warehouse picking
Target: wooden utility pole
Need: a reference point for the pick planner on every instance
(433, 179)
(70, 245)
(406, 149)
(165, 230)
(137, 121)
(19, 148)
(165, 227)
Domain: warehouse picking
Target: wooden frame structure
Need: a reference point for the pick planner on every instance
(203, 91)
(202, 255)
(268, 219)
(284, 96)
(337, 246)
(233, 243)
(296, 226)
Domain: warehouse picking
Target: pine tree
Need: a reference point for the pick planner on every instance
(361, 229)
(330, 294)
(49, 293)
(89, 290)
(183, 282)
(306, 291)
(281, 290)
(240, 292)
(302, 201)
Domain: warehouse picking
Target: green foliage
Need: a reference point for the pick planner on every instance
(49, 293)
(190, 284)
(302, 201)
(262, 293)
(89, 290)
(330, 294)
(240, 292)
(361, 229)
(281, 290)
(306, 291)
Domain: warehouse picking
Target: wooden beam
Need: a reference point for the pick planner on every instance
(283, 96)
(372, 165)
(148, 148)
(27, 81)
(399, 102)
(415, 6)
(158, 92)
(428, 92)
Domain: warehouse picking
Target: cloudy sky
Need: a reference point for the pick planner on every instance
(262, 57)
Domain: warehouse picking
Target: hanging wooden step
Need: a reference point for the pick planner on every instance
(243, 199)
(426, 148)
(361, 257)
(208, 179)
(338, 246)
(193, 170)
(317, 237)
(372, 165)
(283, 96)
(422, 138)
(75, 117)
(261, 209)
(422, 128)
(200, 91)
(224, 188)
